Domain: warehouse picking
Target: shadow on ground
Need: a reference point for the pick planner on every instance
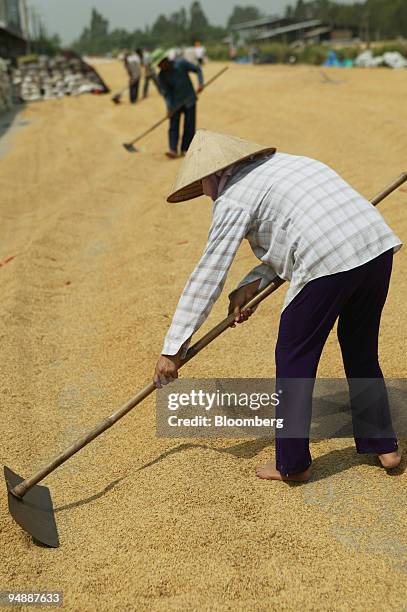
(327, 465)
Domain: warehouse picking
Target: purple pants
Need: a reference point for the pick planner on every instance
(357, 297)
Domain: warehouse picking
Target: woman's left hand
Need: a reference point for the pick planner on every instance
(166, 370)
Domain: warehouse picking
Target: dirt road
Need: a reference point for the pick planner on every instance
(98, 260)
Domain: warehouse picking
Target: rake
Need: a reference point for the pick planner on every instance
(129, 146)
(31, 505)
(117, 98)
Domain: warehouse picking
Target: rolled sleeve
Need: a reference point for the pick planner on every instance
(264, 272)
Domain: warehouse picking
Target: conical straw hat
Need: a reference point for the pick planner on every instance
(210, 152)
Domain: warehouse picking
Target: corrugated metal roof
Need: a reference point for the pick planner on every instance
(10, 17)
(318, 31)
(290, 28)
(11, 32)
(247, 25)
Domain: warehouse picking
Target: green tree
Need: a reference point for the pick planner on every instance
(198, 22)
(301, 11)
(121, 39)
(178, 22)
(95, 38)
(387, 18)
(240, 14)
(99, 26)
(160, 28)
(45, 44)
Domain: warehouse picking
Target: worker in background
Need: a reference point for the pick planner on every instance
(149, 72)
(132, 63)
(180, 98)
(200, 52)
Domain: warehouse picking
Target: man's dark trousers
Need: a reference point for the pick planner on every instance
(189, 128)
(357, 297)
(133, 90)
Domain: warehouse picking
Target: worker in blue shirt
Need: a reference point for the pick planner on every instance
(180, 98)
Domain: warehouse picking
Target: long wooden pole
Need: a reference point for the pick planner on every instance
(398, 182)
(21, 489)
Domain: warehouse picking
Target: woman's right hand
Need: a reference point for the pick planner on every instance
(239, 298)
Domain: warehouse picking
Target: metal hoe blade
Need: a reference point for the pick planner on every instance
(130, 147)
(34, 512)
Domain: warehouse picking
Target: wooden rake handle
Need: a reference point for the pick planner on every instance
(21, 489)
(398, 182)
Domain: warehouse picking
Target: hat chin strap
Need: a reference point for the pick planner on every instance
(210, 186)
(214, 184)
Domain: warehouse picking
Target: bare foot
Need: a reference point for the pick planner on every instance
(270, 472)
(390, 460)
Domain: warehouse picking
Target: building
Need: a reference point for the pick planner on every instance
(12, 37)
(249, 31)
(289, 31)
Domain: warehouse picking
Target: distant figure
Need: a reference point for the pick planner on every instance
(232, 53)
(200, 53)
(180, 97)
(254, 55)
(149, 73)
(132, 63)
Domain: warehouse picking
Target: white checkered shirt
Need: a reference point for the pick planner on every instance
(302, 221)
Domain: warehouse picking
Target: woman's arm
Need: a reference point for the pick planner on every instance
(229, 227)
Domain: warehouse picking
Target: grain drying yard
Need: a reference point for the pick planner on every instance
(92, 264)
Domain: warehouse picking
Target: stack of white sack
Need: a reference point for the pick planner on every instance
(392, 59)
